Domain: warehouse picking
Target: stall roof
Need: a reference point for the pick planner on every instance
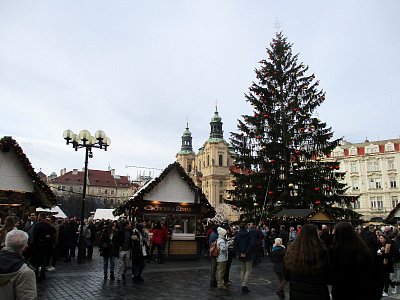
(207, 209)
(42, 195)
(56, 211)
(294, 213)
(104, 213)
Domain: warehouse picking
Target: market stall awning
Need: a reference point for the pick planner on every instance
(18, 176)
(104, 213)
(55, 211)
(172, 185)
(294, 213)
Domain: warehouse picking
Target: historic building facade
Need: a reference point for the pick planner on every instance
(372, 171)
(210, 167)
(100, 184)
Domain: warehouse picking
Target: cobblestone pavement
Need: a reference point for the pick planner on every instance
(175, 279)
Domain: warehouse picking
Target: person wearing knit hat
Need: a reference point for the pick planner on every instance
(277, 254)
(221, 232)
(221, 258)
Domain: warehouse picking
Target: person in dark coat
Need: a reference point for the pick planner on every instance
(246, 251)
(138, 253)
(284, 235)
(108, 249)
(277, 254)
(213, 261)
(385, 255)
(355, 273)
(71, 239)
(306, 266)
(43, 239)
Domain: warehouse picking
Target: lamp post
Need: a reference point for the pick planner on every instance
(87, 141)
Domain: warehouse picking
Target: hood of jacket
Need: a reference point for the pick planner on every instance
(10, 263)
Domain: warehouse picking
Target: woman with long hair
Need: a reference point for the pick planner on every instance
(306, 266)
(356, 275)
(385, 256)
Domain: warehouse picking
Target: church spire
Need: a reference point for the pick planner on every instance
(187, 139)
(216, 125)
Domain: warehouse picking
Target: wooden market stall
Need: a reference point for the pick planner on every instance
(173, 198)
(21, 189)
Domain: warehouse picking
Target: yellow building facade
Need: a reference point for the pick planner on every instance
(210, 167)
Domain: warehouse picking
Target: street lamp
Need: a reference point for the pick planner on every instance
(87, 141)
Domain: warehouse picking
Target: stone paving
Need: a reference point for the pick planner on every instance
(175, 279)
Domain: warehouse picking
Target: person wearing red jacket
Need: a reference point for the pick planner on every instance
(156, 241)
(165, 238)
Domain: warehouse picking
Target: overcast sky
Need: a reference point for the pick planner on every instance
(139, 69)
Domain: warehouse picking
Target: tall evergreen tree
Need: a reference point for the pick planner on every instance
(282, 145)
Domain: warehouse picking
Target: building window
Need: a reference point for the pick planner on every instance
(353, 151)
(71, 189)
(393, 183)
(337, 152)
(98, 191)
(356, 204)
(208, 160)
(395, 201)
(221, 184)
(220, 160)
(373, 166)
(189, 169)
(220, 199)
(376, 202)
(105, 191)
(355, 185)
(391, 164)
(353, 167)
(59, 188)
(112, 192)
(375, 183)
(372, 149)
(389, 147)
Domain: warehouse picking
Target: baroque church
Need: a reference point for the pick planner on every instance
(211, 167)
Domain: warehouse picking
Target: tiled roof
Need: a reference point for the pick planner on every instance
(97, 178)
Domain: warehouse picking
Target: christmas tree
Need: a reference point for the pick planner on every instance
(282, 146)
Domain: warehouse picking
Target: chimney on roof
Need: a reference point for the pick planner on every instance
(63, 171)
(75, 172)
(112, 172)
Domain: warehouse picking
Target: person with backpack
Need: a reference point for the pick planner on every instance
(221, 258)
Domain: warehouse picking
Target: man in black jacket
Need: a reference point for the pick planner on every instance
(246, 250)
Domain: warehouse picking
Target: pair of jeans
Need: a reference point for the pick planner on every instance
(110, 258)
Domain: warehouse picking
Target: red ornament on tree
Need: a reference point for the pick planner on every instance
(317, 202)
(260, 186)
(296, 109)
(270, 193)
(266, 116)
(316, 188)
(272, 161)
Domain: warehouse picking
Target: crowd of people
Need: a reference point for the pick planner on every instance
(330, 262)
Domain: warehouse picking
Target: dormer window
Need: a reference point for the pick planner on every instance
(353, 151)
(389, 147)
(338, 152)
(371, 149)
